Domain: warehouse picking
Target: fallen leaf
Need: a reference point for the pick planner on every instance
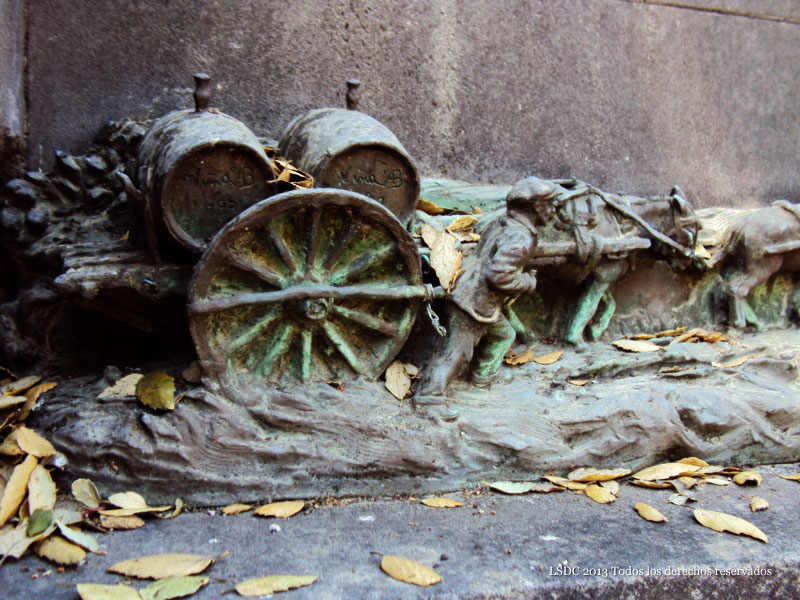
(445, 257)
(717, 481)
(261, 586)
(578, 382)
(173, 587)
(747, 478)
(649, 513)
(462, 224)
(664, 471)
(547, 359)
(16, 487)
(588, 474)
(124, 387)
(599, 494)
(669, 332)
(680, 499)
(122, 523)
(565, 483)
(757, 504)
(612, 486)
(636, 346)
(442, 502)
(85, 492)
(701, 252)
(67, 516)
(39, 521)
(192, 373)
(161, 566)
(644, 336)
(654, 485)
(429, 207)
(235, 509)
(282, 510)
(714, 470)
(398, 379)
(698, 334)
(174, 513)
(157, 390)
(34, 444)
(17, 387)
(100, 591)
(519, 359)
(408, 571)
(14, 541)
(78, 537)
(31, 396)
(58, 550)
(524, 487)
(9, 401)
(9, 447)
(694, 461)
(41, 490)
(130, 501)
(736, 362)
(689, 482)
(723, 522)
(789, 477)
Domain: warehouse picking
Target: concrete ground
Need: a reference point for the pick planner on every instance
(558, 545)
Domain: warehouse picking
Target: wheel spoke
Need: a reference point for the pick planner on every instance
(367, 320)
(306, 337)
(341, 244)
(363, 263)
(263, 272)
(344, 348)
(278, 348)
(277, 240)
(254, 331)
(313, 241)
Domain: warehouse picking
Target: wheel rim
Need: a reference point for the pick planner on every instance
(311, 285)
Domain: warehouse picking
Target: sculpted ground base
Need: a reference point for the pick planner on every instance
(637, 409)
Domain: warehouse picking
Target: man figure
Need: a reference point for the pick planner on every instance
(494, 275)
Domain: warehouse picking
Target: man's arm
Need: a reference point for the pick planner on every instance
(505, 271)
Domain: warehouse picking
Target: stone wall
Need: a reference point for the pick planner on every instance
(12, 112)
(628, 94)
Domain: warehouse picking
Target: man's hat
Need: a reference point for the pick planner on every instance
(531, 189)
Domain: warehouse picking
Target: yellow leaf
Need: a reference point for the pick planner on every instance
(282, 510)
(34, 444)
(124, 387)
(655, 485)
(31, 396)
(78, 537)
(649, 513)
(176, 512)
(701, 252)
(664, 471)
(157, 390)
(99, 591)
(462, 224)
(636, 346)
(58, 550)
(519, 359)
(41, 490)
(694, 461)
(122, 523)
(565, 483)
(578, 382)
(398, 379)
(669, 332)
(14, 541)
(698, 334)
(161, 566)
(547, 359)
(17, 387)
(442, 503)
(524, 487)
(747, 477)
(133, 501)
(717, 481)
(85, 492)
(612, 486)
(9, 401)
(689, 482)
(261, 586)
(9, 447)
(587, 474)
(429, 207)
(445, 258)
(235, 509)
(736, 362)
(757, 504)
(723, 522)
(789, 477)
(644, 336)
(408, 571)
(599, 494)
(16, 487)
(173, 587)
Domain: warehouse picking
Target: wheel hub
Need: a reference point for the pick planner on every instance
(315, 309)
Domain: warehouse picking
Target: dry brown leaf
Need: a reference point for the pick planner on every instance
(281, 510)
(649, 513)
(714, 470)
(9, 447)
(261, 586)
(31, 396)
(440, 502)
(736, 362)
(58, 550)
(698, 334)
(174, 513)
(429, 207)
(758, 504)
(124, 387)
(157, 390)
(694, 461)
(462, 224)
(724, 522)
(789, 477)
(9, 401)
(599, 494)
(34, 444)
(122, 523)
(466, 237)
(612, 486)
(17, 387)
(235, 509)
(578, 382)
(100, 591)
(524, 487)
(160, 566)
(655, 485)
(408, 571)
(670, 332)
(519, 359)
(565, 483)
(636, 346)
(16, 487)
(85, 492)
(398, 379)
(665, 471)
(689, 482)
(445, 257)
(747, 478)
(644, 336)
(588, 474)
(547, 359)
(41, 490)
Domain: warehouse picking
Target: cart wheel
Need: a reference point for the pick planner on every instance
(310, 285)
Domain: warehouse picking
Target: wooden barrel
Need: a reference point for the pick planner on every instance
(197, 170)
(349, 150)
